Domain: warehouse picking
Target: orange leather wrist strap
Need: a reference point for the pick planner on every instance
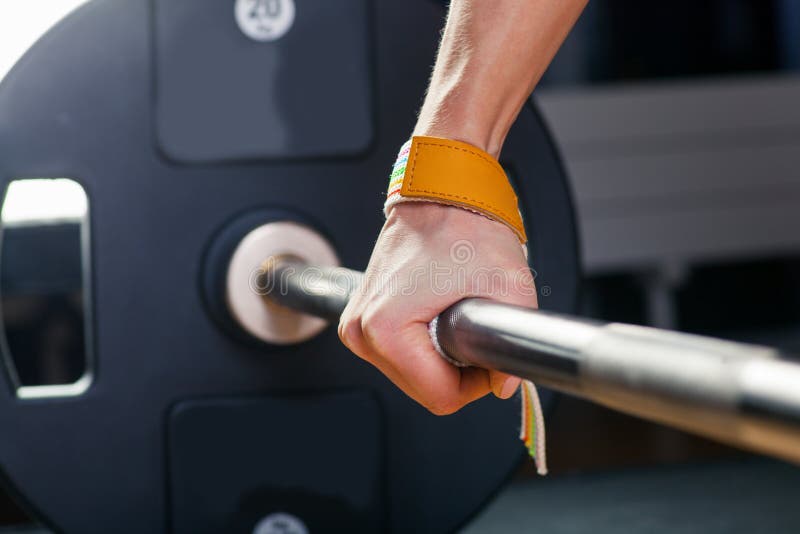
(455, 173)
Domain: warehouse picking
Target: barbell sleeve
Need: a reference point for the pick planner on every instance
(744, 395)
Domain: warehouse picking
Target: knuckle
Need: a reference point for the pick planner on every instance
(377, 324)
(349, 331)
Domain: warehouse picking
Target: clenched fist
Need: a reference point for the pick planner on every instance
(429, 256)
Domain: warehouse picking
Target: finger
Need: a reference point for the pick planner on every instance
(352, 336)
(438, 385)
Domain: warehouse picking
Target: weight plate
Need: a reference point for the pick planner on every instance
(88, 102)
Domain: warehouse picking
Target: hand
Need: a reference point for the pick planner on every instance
(427, 257)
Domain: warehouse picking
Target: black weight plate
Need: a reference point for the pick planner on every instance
(82, 103)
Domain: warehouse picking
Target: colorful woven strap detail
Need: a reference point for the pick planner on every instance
(454, 173)
(396, 178)
(532, 427)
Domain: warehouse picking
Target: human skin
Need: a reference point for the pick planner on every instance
(492, 54)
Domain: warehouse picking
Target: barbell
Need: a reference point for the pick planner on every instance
(743, 395)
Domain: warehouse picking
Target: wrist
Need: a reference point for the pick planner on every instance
(457, 119)
(432, 169)
(465, 104)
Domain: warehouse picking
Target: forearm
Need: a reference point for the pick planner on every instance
(493, 52)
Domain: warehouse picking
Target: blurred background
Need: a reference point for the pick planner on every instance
(679, 125)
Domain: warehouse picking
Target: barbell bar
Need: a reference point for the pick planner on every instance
(740, 394)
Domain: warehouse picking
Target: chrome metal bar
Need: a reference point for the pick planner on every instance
(744, 395)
